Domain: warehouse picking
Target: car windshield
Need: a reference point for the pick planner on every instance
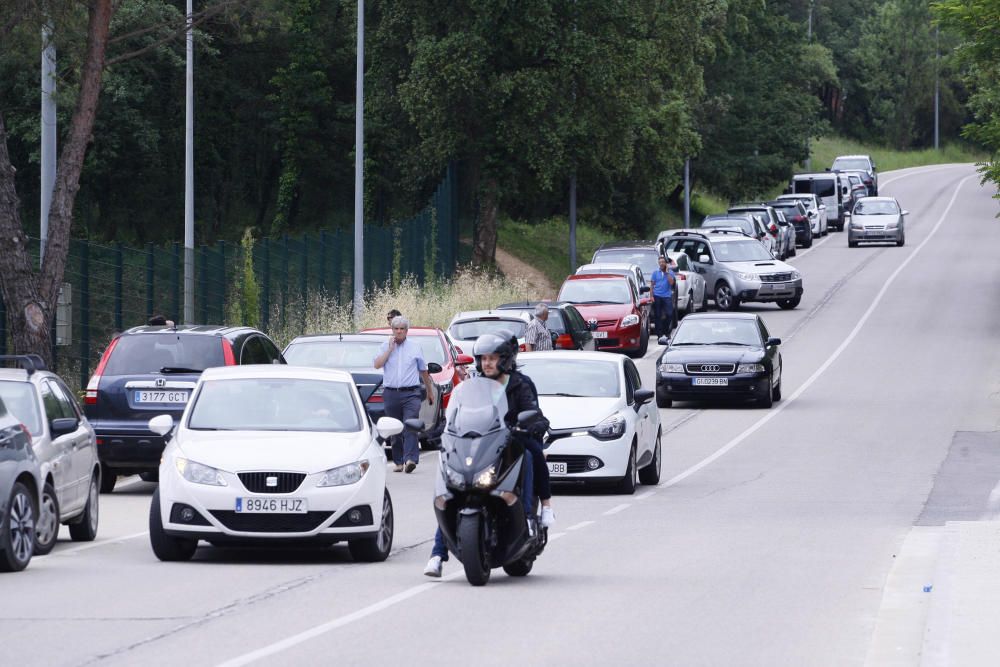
(741, 251)
(851, 163)
(876, 208)
(333, 353)
(808, 202)
(19, 397)
(646, 258)
(711, 331)
(790, 210)
(821, 187)
(740, 223)
(274, 404)
(149, 352)
(473, 329)
(572, 377)
(595, 291)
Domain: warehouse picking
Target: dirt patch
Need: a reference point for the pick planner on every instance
(539, 286)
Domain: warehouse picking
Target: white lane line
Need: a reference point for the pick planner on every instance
(643, 496)
(131, 480)
(94, 545)
(582, 524)
(618, 508)
(556, 536)
(800, 255)
(774, 412)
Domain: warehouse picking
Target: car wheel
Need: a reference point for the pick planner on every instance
(789, 304)
(663, 399)
(643, 343)
(376, 549)
(808, 243)
(167, 547)
(765, 397)
(724, 298)
(777, 391)
(108, 479)
(650, 475)
(150, 476)
(631, 479)
(704, 299)
(795, 251)
(519, 568)
(901, 242)
(84, 529)
(690, 308)
(17, 530)
(47, 528)
(472, 549)
(852, 244)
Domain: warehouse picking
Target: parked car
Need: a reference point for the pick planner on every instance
(65, 445)
(826, 186)
(738, 270)
(230, 476)
(795, 212)
(611, 306)
(604, 428)
(863, 163)
(815, 211)
(644, 253)
(720, 355)
(151, 370)
(634, 273)
(784, 241)
(20, 486)
(751, 224)
(691, 295)
(467, 326)
(569, 330)
(877, 219)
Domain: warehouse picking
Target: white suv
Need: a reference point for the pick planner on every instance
(815, 209)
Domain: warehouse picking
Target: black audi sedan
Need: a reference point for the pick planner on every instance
(719, 356)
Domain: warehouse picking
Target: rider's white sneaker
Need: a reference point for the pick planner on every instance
(433, 568)
(548, 517)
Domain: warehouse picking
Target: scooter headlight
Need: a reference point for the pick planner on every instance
(455, 478)
(486, 478)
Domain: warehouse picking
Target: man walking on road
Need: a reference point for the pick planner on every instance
(663, 297)
(537, 337)
(404, 368)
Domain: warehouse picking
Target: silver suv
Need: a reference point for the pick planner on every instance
(65, 446)
(738, 270)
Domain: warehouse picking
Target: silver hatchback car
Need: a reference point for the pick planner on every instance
(877, 219)
(65, 446)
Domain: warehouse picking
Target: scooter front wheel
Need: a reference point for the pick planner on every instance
(472, 549)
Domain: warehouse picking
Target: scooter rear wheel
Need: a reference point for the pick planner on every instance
(472, 549)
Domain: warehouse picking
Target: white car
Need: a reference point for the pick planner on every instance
(265, 454)
(815, 209)
(690, 285)
(604, 427)
(469, 325)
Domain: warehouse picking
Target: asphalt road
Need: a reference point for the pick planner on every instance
(769, 541)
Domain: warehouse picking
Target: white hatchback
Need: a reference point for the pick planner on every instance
(604, 428)
(272, 454)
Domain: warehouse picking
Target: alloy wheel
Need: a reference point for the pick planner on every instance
(48, 523)
(384, 538)
(22, 527)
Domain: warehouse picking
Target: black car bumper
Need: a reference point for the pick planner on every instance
(130, 452)
(741, 386)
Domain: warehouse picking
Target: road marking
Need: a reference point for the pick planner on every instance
(643, 496)
(555, 536)
(94, 545)
(774, 412)
(131, 480)
(800, 255)
(618, 508)
(582, 524)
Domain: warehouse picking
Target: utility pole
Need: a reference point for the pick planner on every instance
(572, 223)
(809, 38)
(359, 172)
(48, 148)
(687, 193)
(189, 172)
(937, 86)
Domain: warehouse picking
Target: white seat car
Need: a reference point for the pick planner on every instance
(815, 209)
(604, 428)
(265, 454)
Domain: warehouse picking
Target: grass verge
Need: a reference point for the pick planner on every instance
(825, 149)
(546, 245)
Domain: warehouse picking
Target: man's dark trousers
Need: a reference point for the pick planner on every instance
(403, 405)
(663, 314)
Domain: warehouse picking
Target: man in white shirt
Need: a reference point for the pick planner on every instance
(537, 337)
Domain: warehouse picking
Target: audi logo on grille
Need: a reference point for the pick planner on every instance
(710, 368)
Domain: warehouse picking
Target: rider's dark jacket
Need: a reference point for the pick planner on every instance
(521, 396)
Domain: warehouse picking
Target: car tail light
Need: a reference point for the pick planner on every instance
(799, 218)
(522, 347)
(681, 276)
(90, 397)
(227, 353)
(565, 342)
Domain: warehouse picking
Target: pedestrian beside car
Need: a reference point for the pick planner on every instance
(403, 372)
(391, 315)
(663, 282)
(537, 337)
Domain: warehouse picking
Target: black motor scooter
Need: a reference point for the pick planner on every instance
(479, 493)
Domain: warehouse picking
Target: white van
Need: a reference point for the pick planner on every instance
(828, 186)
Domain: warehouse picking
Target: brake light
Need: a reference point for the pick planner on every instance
(522, 347)
(799, 218)
(90, 397)
(565, 342)
(227, 353)
(681, 276)
(376, 396)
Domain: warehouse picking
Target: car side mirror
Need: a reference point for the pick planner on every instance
(413, 425)
(386, 427)
(773, 341)
(905, 212)
(644, 289)
(704, 259)
(663, 340)
(843, 190)
(643, 396)
(161, 424)
(63, 425)
(525, 417)
(465, 360)
(433, 367)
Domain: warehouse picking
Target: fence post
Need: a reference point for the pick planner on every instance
(338, 252)
(119, 271)
(222, 282)
(304, 270)
(84, 313)
(3, 326)
(203, 283)
(150, 276)
(265, 292)
(175, 280)
(322, 261)
(284, 277)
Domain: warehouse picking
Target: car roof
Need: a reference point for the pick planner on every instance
(814, 174)
(518, 305)
(574, 355)
(720, 316)
(882, 198)
(335, 338)
(203, 329)
(599, 276)
(611, 245)
(276, 371)
(416, 331)
(13, 374)
(853, 157)
(480, 314)
(610, 265)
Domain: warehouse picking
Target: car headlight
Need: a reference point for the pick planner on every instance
(856, 225)
(344, 475)
(671, 368)
(750, 368)
(486, 478)
(748, 276)
(198, 473)
(610, 429)
(796, 275)
(892, 225)
(630, 320)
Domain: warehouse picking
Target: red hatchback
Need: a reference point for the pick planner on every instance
(437, 349)
(613, 309)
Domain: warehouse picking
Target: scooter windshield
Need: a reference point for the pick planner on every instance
(477, 407)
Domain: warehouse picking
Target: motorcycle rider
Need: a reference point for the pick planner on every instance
(495, 355)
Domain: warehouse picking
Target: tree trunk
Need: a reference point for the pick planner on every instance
(484, 247)
(31, 297)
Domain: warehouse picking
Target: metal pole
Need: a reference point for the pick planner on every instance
(572, 223)
(189, 174)
(937, 87)
(359, 173)
(809, 38)
(48, 148)
(687, 193)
